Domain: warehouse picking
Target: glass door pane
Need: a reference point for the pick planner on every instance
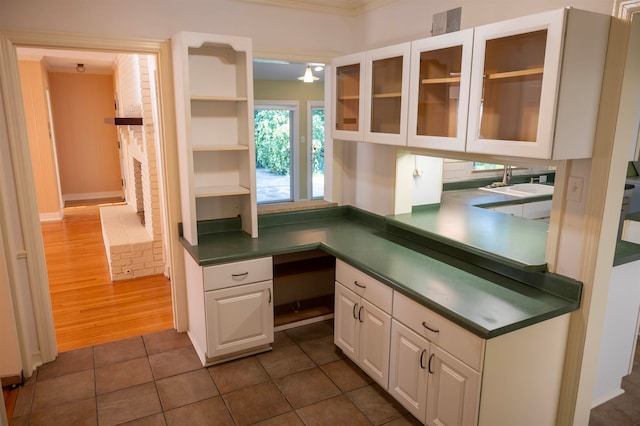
(512, 87)
(348, 97)
(317, 152)
(273, 130)
(439, 92)
(386, 95)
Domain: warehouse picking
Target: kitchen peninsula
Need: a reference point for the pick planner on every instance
(500, 308)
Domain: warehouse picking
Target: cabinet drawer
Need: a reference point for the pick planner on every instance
(237, 273)
(362, 284)
(454, 339)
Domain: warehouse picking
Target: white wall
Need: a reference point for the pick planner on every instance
(411, 19)
(270, 27)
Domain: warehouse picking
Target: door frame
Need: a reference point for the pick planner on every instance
(39, 307)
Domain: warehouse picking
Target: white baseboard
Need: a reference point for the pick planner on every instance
(91, 195)
(48, 217)
(606, 398)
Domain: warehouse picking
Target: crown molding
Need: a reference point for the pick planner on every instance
(625, 9)
(336, 7)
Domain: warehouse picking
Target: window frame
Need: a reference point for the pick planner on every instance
(312, 105)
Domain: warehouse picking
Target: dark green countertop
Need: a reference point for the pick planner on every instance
(626, 252)
(484, 302)
(516, 241)
(526, 251)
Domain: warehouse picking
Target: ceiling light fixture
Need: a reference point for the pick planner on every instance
(308, 76)
(80, 68)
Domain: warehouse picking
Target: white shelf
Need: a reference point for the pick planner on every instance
(221, 191)
(214, 106)
(209, 148)
(205, 98)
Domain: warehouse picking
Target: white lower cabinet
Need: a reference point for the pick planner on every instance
(430, 383)
(239, 318)
(362, 329)
(230, 308)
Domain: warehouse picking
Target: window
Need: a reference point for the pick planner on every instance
(315, 153)
(275, 130)
(477, 166)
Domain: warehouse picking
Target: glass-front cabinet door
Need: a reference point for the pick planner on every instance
(386, 89)
(513, 87)
(439, 88)
(349, 101)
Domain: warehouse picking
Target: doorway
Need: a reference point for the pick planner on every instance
(96, 296)
(41, 343)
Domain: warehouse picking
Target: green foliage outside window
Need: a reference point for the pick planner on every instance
(272, 130)
(317, 152)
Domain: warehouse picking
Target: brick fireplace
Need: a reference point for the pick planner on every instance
(133, 233)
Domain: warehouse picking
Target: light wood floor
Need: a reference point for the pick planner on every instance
(88, 308)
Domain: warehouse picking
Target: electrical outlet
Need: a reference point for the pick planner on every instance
(574, 189)
(543, 179)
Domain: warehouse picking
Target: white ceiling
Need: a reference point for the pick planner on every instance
(103, 63)
(66, 60)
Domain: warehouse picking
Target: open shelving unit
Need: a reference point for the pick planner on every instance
(216, 148)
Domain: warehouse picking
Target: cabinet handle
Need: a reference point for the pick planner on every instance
(359, 285)
(433, 330)
(355, 306)
(269, 295)
(430, 360)
(360, 314)
(422, 354)
(239, 276)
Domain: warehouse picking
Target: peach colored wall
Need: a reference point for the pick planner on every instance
(33, 79)
(87, 148)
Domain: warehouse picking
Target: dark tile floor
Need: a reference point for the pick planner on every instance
(157, 379)
(623, 410)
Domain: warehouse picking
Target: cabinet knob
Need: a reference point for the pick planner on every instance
(360, 314)
(355, 306)
(359, 285)
(430, 361)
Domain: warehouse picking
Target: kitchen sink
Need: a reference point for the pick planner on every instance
(521, 190)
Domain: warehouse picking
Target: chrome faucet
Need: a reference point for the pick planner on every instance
(506, 175)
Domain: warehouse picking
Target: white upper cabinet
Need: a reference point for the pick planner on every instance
(348, 83)
(535, 85)
(386, 94)
(214, 120)
(439, 91)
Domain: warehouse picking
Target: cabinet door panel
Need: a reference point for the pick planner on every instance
(513, 85)
(349, 97)
(407, 369)
(239, 318)
(345, 321)
(454, 391)
(386, 89)
(375, 332)
(439, 88)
